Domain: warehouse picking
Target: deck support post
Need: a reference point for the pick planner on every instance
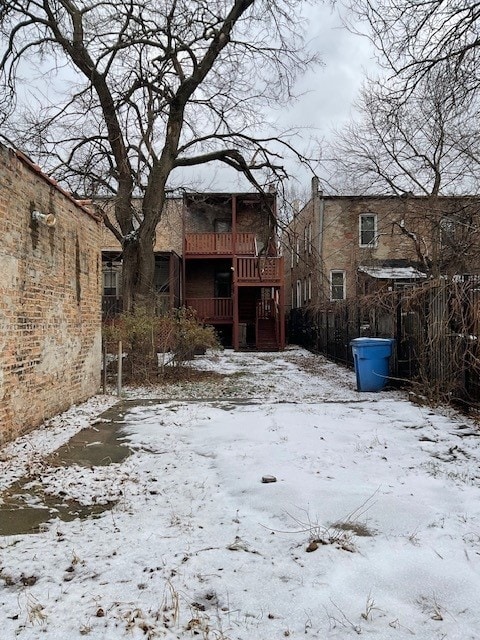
(235, 328)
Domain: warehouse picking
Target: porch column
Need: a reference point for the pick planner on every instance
(235, 328)
(183, 277)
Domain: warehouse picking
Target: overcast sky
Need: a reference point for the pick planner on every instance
(326, 95)
(327, 92)
(332, 88)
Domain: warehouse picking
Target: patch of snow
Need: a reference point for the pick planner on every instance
(372, 528)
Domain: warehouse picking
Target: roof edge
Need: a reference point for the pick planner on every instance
(80, 204)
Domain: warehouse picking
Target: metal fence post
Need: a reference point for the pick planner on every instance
(119, 369)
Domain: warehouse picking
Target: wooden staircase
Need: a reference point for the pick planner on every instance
(267, 335)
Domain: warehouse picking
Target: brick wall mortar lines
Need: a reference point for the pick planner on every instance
(50, 311)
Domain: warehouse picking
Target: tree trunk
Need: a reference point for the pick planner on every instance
(139, 299)
(138, 276)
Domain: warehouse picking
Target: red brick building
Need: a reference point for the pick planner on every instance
(218, 254)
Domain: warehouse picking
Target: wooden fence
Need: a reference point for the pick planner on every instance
(436, 326)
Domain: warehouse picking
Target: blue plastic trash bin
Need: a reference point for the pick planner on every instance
(371, 357)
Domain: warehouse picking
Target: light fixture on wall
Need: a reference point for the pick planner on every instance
(47, 219)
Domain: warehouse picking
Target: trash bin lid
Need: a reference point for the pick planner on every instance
(371, 342)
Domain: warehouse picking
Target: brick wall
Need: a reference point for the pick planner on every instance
(169, 231)
(50, 320)
(302, 249)
(200, 277)
(342, 250)
(201, 212)
(407, 230)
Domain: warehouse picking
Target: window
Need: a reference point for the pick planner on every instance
(297, 246)
(305, 239)
(309, 288)
(368, 230)
(304, 290)
(448, 232)
(161, 276)
(309, 237)
(111, 282)
(337, 285)
(299, 294)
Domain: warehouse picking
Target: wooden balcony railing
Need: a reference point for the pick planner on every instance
(245, 244)
(266, 309)
(212, 309)
(211, 244)
(260, 270)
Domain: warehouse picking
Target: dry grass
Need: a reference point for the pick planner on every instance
(191, 374)
(340, 534)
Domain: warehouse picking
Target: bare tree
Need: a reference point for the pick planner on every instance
(127, 91)
(415, 36)
(424, 142)
(419, 141)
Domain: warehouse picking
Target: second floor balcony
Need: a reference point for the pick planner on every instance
(220, 244)
(262, 270)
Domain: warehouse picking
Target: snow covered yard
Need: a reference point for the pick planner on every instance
(372, 528)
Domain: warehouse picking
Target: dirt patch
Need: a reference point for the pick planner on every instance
(189, 374)
(314, 364)
(28, 511)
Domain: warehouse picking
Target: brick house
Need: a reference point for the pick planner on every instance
(341, 247)
(50, 355)
(218, 254)
(233, 274)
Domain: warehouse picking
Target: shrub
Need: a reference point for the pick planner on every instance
(190, 336)
(169, 340)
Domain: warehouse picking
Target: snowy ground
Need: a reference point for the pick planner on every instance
(372, 528)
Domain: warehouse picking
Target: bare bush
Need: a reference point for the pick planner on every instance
(158, 345)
